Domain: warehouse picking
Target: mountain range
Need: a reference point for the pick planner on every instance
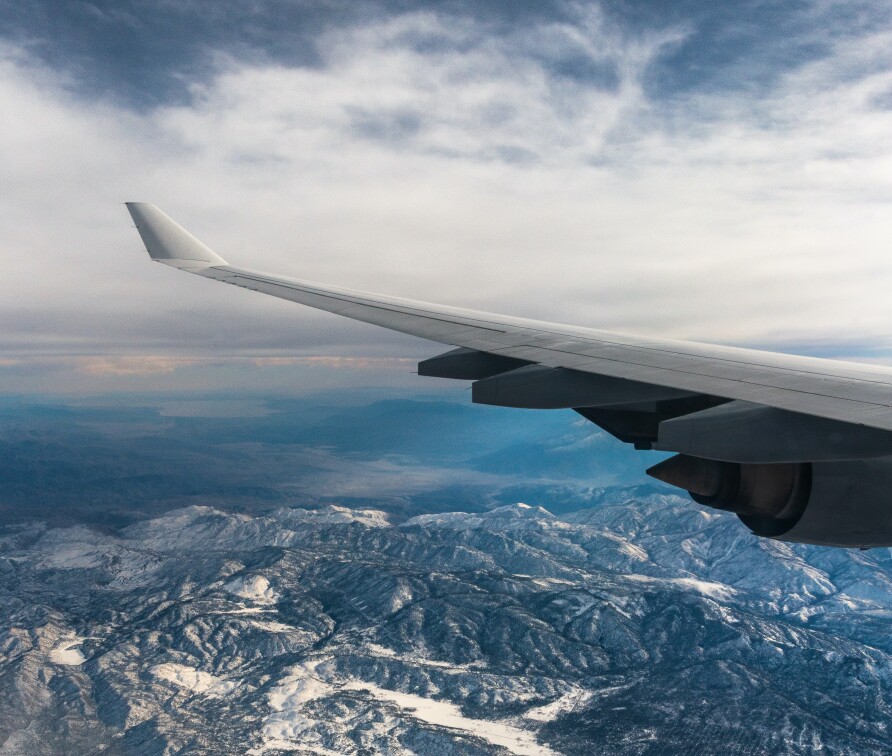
(632, 621)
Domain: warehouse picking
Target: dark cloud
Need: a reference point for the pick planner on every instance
(742, 47)
(144, 53)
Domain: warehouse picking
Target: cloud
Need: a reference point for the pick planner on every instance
(355, 363)
(528, 170)
(153, 364)
(130, 365)
(209, 376)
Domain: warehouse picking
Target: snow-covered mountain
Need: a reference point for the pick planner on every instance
(641, 625)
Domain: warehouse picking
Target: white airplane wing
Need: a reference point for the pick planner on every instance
(715, 402)
(844, 391)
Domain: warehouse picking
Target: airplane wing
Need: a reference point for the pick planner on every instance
(705, 401)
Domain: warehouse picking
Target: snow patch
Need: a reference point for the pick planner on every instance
(271, 626)
(254, 588)
(65, 653)
(291, 724)
(630, 549)
(193, 680)
(246, 610)
(563, 705)
(446, 714)
(379, 650)
(713, 590)
(414, 659)
(705, 587)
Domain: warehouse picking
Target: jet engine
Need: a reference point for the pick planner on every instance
(786, 475)
(841, 503)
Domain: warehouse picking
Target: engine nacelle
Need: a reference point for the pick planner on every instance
(826, 503)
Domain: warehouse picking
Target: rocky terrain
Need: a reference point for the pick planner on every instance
(639, 625)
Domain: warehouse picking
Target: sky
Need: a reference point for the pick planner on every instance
(711, 171)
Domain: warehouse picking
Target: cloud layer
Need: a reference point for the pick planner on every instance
(530, 170)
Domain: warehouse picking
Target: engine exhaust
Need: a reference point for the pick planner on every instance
(775, 491)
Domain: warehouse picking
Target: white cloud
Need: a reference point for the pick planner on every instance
(433, 158)
(127, 365)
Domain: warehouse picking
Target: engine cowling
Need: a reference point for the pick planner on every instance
(826, 503)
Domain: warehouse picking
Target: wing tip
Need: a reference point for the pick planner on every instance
(167, 241)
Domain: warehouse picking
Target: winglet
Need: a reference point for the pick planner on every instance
(168, 242)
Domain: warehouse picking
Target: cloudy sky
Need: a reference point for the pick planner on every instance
(703, 170)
